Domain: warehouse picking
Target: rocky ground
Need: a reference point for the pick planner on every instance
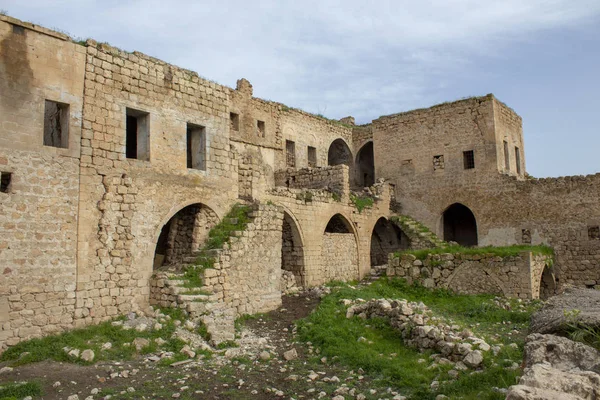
(266, 365)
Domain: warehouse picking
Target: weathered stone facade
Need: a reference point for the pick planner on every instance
(115, 163)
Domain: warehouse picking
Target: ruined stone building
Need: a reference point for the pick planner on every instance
(115, 165)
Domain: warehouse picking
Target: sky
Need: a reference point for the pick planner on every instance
(373, 58)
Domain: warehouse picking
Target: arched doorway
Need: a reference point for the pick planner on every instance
(339, 153)
(184, 234)
(292, 256)
(365, 166)
(340, 250)
(385, 239)
(547, 283)
(460, 225)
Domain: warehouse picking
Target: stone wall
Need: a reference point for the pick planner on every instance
(516, 276)
(340, 256)
(336, 179)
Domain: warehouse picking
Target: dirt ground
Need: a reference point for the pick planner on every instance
(225, 376)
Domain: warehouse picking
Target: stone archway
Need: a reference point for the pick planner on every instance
(339, 153)
(365, 166)
(339, 250)
(183, 234)
(386, 238)
(292, 255)
(547, 283)
(460, 225)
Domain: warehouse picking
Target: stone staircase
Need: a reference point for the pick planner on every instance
(419, 235)
(170, 288)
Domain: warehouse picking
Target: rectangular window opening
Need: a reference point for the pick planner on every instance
(312, 157)
(594, 232)
(137, 144)
(260, 125)
(5, 178)
(438, 162)
(196, 147)
(506, 157)
(18, 30)
(234, 121)
(290, 153)
(518, 159)
(56, 124)
(469, 159)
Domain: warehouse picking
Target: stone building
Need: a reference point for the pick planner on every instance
(115, 166)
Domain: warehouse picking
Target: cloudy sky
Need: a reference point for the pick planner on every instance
(372, 58)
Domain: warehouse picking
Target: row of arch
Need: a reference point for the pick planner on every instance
(363, 166)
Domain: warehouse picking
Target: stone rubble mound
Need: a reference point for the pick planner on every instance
(419, 329)
(557, 368)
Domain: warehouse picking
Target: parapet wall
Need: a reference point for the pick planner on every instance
(334, 178)
(516, 276)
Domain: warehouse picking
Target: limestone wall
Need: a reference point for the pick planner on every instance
(511, 276)
(38, 206)
(334, 178)
(340, 256)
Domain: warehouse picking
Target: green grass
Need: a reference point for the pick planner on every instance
(505, 251)
(16, 391)
(236, 220)
(361, 202)
(335, 335)
(93, 337)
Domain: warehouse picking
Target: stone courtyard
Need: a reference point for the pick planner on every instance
(118, 170)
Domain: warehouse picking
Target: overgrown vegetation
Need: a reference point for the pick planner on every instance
(504, 251)
(93, 337)
(581, 332)
(384, 356)
(236, 220)
(305, 196)
(361, 202)
(17, 391)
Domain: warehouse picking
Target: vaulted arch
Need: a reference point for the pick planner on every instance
(460, 225)
(339, 251)
(339, 153)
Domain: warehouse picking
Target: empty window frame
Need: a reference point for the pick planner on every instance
(137, 129)
(506, 157)
(312, 157)
(234, 121)
(290, 153)
(260, 126)
(518, 159)
(196, 147)
(56, 124)
(438, 162)
(5, 178)
(469, 159)
(594, 232)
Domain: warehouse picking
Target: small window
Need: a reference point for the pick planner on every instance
(234, 121)
(56, 124)
(526, 236)
(594, 232)
(5, 178)
(506, 157)
(138, 135)
(312, 157)
(260, 125)
(469, 159)
(18, 30)
(406, 162)
(518, 160)
(290, 153)
(196, 147)
(438, 162)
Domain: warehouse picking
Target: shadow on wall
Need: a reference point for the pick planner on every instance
(460, 225)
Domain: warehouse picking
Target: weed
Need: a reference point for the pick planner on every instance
(227, 344)
(581, 332)
(305, 196)
(361, 202)
(19, 390)
(336, 196)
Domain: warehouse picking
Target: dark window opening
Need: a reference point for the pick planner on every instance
(19, 30)
(260, 125)
(56, 124)
(506, 157)
(460, 225)
(234, 121)
(196, 147)
(594, 232)
(137, 143)
(526, 236)
(386, 238)
(438, 162)
(290, 153)
(5, 178)
(469, 159)
(518, 159)
(312, 156)
(365, 166)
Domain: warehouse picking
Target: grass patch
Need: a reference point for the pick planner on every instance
(391, 363)
(19, 390)
(505, 251)
(305, 196)
(93, 337)
(361, 202)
